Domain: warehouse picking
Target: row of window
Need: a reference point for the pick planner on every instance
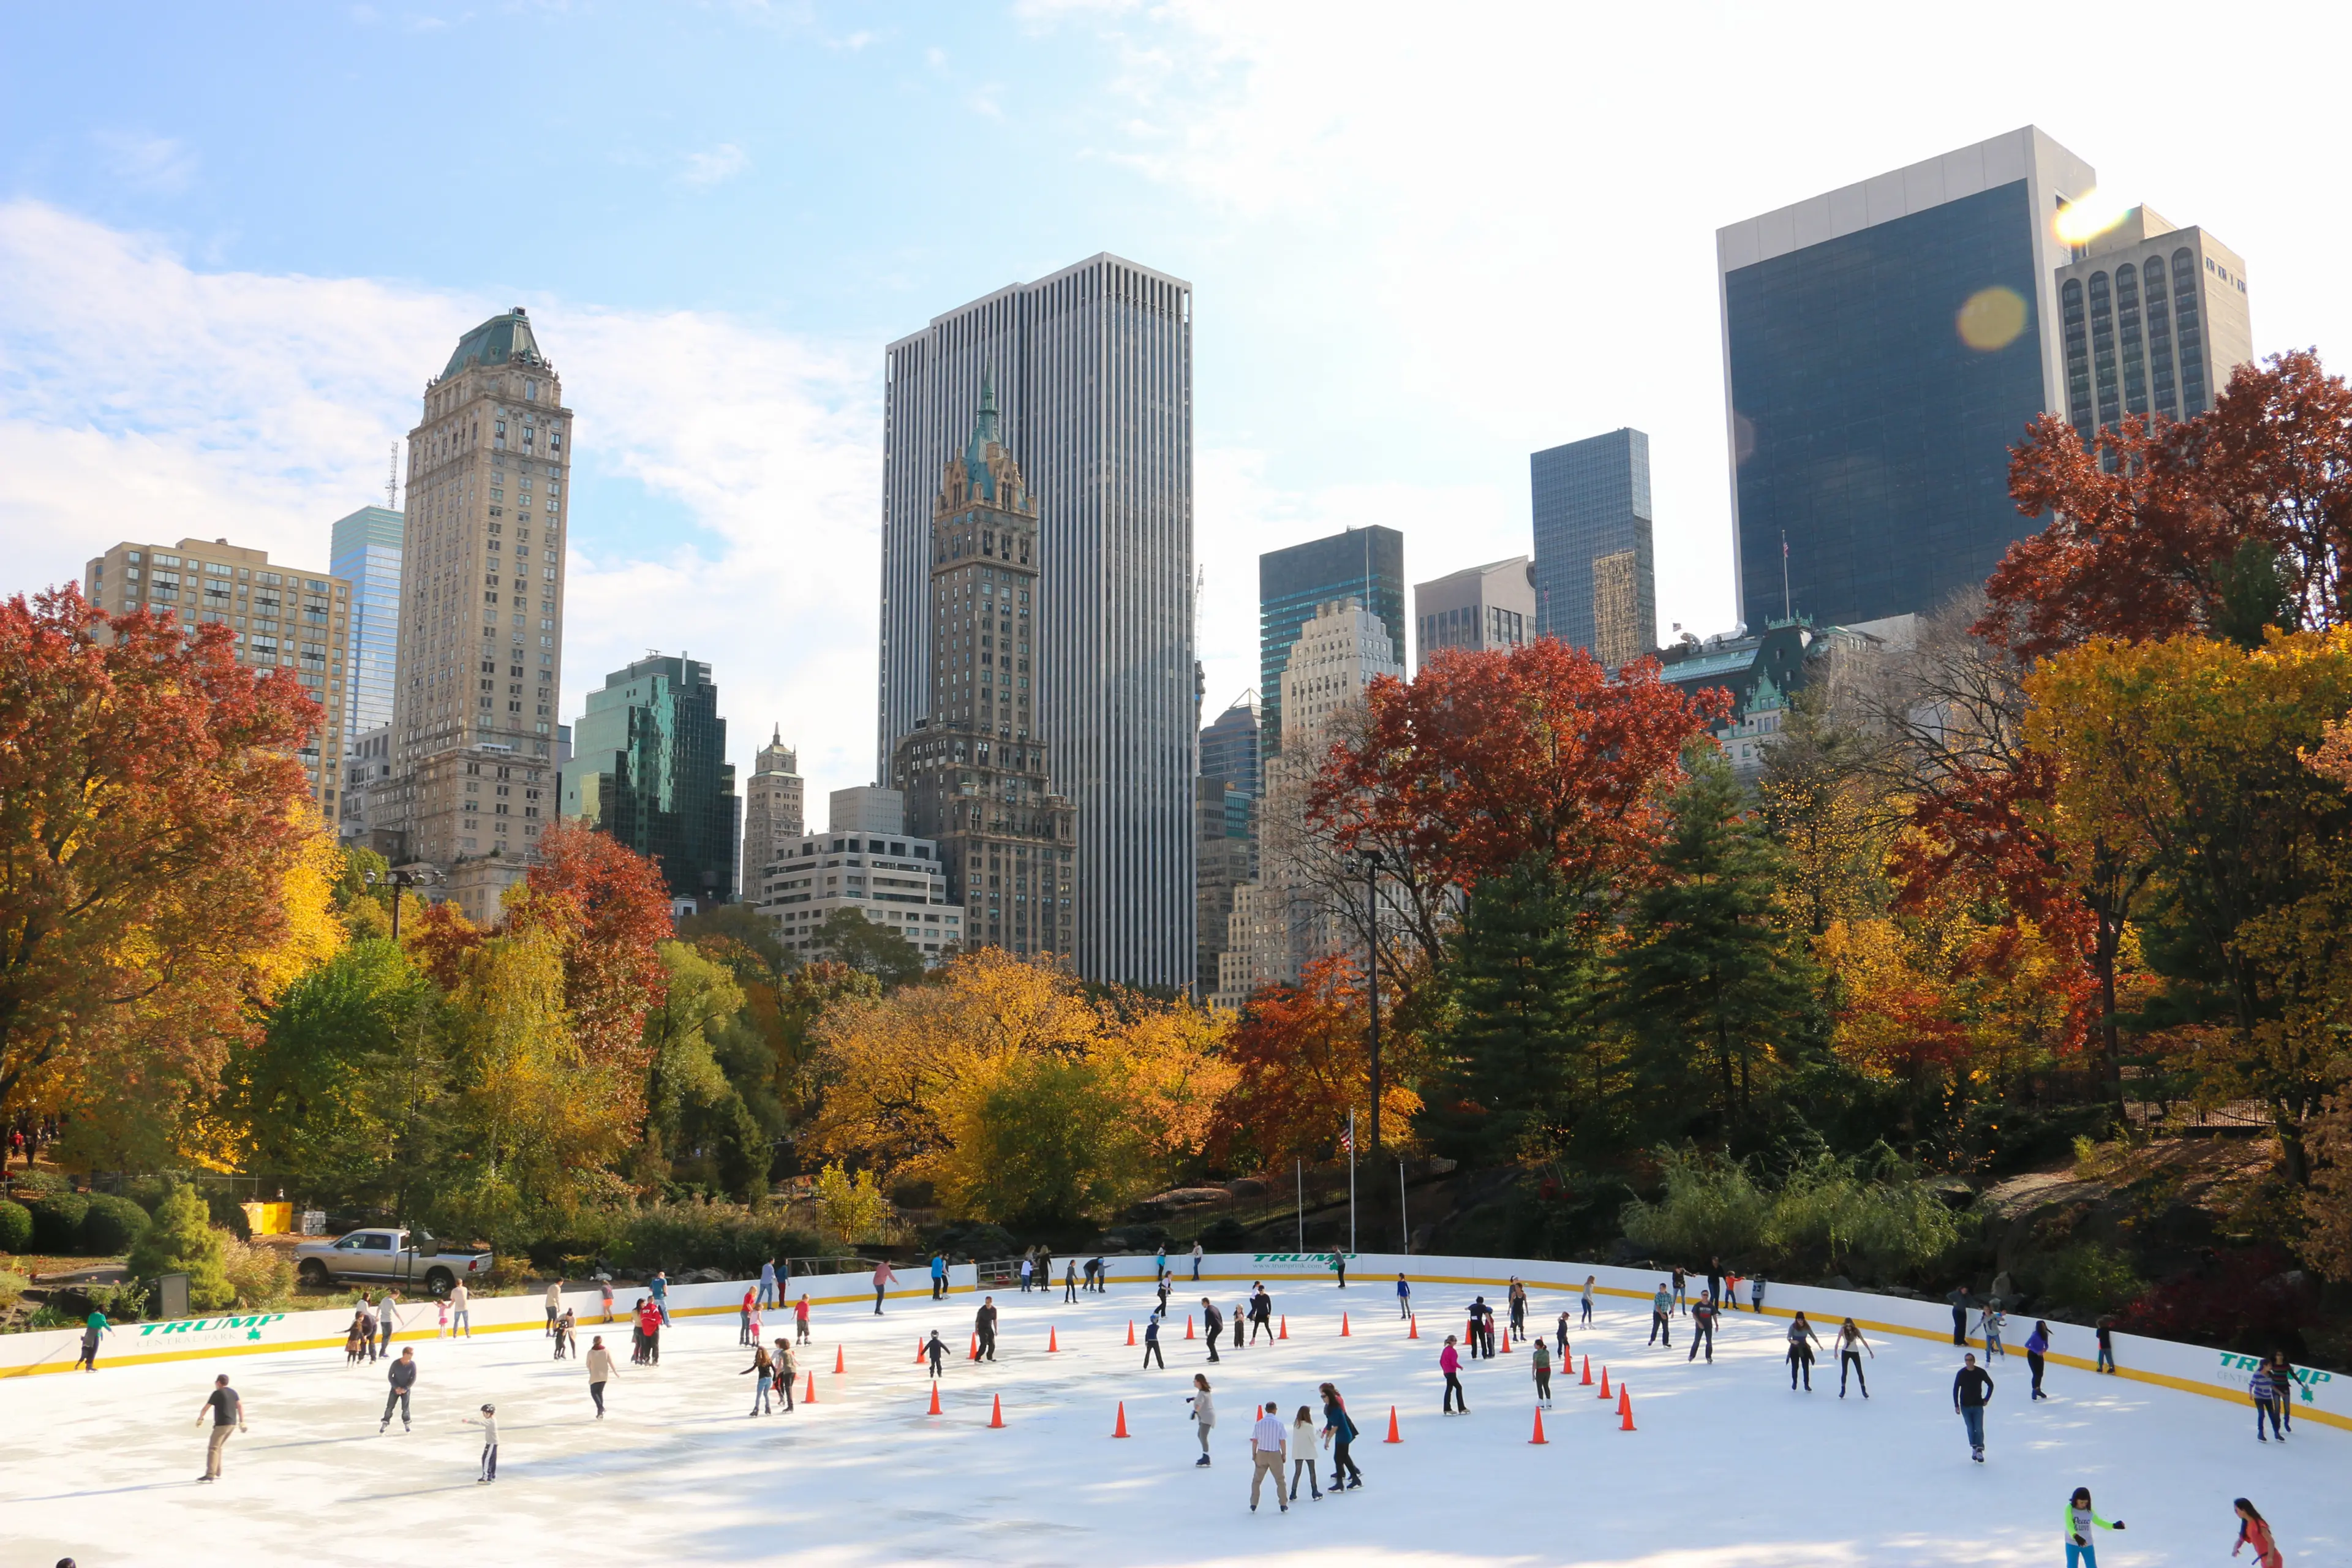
(2125, 334)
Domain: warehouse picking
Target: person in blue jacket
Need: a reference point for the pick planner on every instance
(938, 1276)
(1339, 1431)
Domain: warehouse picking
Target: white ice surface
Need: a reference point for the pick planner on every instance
(1728, 1468)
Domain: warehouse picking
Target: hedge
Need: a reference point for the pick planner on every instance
(56, 1223)
(15, 1227)
(112, 1225)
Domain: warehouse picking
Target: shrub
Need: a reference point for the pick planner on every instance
(183, 1241)
(972, 1239)
(2247, 1299)
(56, 1222)
(2091, 1278)
(15, 1227)
(1826, 1214)
(39, 1183)
(112, 1225)
(1226, 1234)
(147, 1191)
(260, 1276)
(734, 1238)
(12, 1287)
(854, 1207)
(124, 1303)
(1709, 1209)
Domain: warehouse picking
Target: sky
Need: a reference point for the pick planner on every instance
(1424, 242)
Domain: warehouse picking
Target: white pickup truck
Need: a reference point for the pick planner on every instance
(402, 1259)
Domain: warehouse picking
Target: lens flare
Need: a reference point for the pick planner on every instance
(2089, 215)
(1991, 319)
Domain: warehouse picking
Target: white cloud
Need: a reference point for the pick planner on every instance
(141, 398)
(149, 162)
(715, 165)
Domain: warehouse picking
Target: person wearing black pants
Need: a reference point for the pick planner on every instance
(2037, 1342)
(1151, 1343)
(1070, 1280)
(1449, 1361)
(1214, 1321)
(1959, 1301)
(403, 1377)
(1342, 1432)
(1801, 1340)
(936, 1348)
(1702, 1329)
(983, 1324)
(1851, 1346)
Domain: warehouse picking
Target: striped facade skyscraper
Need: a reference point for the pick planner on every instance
(1092, 369)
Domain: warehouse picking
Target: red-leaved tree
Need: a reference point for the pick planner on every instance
(607, 907)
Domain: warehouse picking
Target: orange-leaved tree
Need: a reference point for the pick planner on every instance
(1302, 1062)
(152, 813)
(606, 909)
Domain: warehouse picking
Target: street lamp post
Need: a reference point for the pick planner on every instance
(1372, 969)
(400, 879)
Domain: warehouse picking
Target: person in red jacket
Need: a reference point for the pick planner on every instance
(649, 1328)
(2255, 1531)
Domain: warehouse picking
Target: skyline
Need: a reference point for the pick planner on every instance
(208, 319)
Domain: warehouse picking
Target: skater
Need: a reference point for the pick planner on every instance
(1971, 1391)
(2264, 1392)
(884, 1278)
(1731, 1292)
(1261, 1314)
(1196, 1263)
(1541, 1360)
(1044, 1269)
(2037, 1345)
(1241, 1315)
(1801, 1341)
(387, 1320)
(1339, 1431)
(490, 1425)
(1485, 1330)
(1028, 1267)
(605, 1294)
(402, 1379)
(2081, 1520)
(567, 1340)
(1070, 1282)
(1662, 1306)
(1213, 1322)
(1851, 1347)
(937, 1349)
(2106, 1331)
(763, 1369)
(649, 1332)
(1267, 1441)
(1756, 1294)
(1404, 1296)
(365, 1328)
(2283, 1374)
(1470, 1331)
(600, 1372)
(441, 1317)
(1449, 1361)
(983, 1325)
(1702, 1316)
(1959, 1301)
(1151, 1343)
(2255, 1531)
(1682, 1289)
(660, 1287)
(744, 1332)
(1715, 1281)
(1518, 1302)
(1162, 1291)
(355, 1341)
(1160, 1262)
(769, 1295)
(786, 1370)
(1560, 1331)
(1204, 1416)
(1302, 1454)
(1585, 1300)
(228, 1411)
(938, 1276)
(800, 1318)
(461, 1318)
(555, 1304)
(1989, 1323)
(1339, 1267)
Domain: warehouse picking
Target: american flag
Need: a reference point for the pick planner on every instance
(1347, 1136)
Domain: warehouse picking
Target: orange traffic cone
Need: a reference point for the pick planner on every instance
(1286, 1326)
(1625, 1409)
(934, 1396)
(1538, 1437)
(1343, 1325)
(1393, 1436)
(918, 1353)
(996, 1411)
(1120, 1430)
(1188, 1325)
(1052, 1342)
(1588, 1369)
(1413, 1327)
(1605, 1382)
(976, 1345)
(1567, 1355)
(840, 1362)
(810, 1398)
(1506, 1341)
(1130, 1331)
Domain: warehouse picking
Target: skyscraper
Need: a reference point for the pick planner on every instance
(1885, 345)
(2153, 318)
(481, 643)
(1092, 368)
(649, 768)
(1596, 566)
(1229, 745)
(974, 770)
(1225, 818)
(363, 550)
(773, 802)
(1478, 607)
(1292, 584)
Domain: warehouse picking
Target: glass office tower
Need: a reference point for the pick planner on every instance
(364, 551)
(1884, 346)
(1596, 562)
(1363, 564)
(650, 769)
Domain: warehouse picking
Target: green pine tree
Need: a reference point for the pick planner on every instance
(183, 1241)
(1520, 982)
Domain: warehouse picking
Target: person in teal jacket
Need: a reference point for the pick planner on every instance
(2081, 1520)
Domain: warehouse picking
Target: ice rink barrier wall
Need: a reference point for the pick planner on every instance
(1442, 1288)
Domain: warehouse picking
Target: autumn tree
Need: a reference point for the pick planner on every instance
(152, 815)
(695, 1110)
(1302, 1058)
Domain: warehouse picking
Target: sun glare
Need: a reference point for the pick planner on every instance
(2088, 215)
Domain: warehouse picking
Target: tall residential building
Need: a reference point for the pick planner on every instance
(1596, 565)
(650, 768)
(363, 550)
(865, 862)
(368, 792)
(2153, 318)
(1294, 584)
(1093, 370)
(772, 807)
(481, 609)
(280, 619)
(1885, 345)
(974, 770)
(1479, 608)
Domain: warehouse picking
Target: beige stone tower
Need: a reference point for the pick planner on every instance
(481, 636)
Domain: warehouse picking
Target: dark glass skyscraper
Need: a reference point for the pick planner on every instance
(1884, 346)
(649, 767)
(1596, 565)
(1364, 564)
(1229, 747)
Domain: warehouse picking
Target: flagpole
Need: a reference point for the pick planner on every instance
(1403, 1223)
(1351, 1182)
(1300, 1166)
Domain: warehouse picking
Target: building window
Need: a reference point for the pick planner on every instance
(2102, 350)
(2188, 333)
(2159, 339)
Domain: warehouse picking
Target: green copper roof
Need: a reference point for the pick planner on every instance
(496, 341)
(975, 451)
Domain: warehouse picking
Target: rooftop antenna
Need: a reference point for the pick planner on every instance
(392, 480)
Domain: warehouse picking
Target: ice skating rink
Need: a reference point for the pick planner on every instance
(1728, 1467)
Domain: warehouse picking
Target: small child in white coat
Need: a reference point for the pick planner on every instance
(490, 1425)
(1302, 1454)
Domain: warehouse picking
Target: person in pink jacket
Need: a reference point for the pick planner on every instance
(884, 1278)
(1449, 1361)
